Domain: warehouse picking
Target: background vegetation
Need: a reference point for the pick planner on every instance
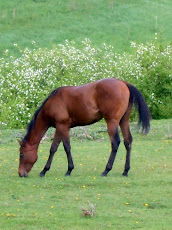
(140, 201)
(33, 62)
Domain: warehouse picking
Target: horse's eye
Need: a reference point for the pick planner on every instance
(21, 156)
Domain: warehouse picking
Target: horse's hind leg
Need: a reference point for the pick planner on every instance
(124, 124)
(112, 127)
(53, 149)
(67, 147)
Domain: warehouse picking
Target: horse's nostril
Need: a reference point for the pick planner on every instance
(20, 175)
(23, 175)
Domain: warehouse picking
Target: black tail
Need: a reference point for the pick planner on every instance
(144, 114)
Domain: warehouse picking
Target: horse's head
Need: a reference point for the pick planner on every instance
(28, 156)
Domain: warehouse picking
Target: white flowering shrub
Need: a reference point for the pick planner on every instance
(26, 81)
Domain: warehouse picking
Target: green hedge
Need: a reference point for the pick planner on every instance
(26, 81)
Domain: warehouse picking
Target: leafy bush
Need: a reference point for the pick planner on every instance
(26, 81)
(153, 77)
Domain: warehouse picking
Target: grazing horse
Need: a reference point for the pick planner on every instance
(71, 106)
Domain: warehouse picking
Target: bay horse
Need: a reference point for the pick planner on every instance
(71, 106)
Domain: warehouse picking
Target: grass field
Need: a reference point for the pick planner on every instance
(50, 22)
(140, 201)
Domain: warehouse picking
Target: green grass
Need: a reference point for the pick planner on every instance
(50, 22)
(56, 201)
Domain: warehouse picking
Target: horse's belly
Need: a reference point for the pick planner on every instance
(85, 117)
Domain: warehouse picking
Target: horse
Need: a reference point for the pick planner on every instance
(70, 106)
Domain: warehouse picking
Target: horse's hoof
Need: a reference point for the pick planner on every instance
(67, 174)
(42, 174)
(124, 174)
(104, 174)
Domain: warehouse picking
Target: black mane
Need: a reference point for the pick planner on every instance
(32, 122)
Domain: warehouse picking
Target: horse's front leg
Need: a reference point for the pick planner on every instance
(53, 149)
(67, 148)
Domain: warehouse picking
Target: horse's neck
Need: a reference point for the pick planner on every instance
(37, 132)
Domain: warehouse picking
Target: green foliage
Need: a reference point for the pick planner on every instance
(139, 201)
(26, 81)
(149, 68)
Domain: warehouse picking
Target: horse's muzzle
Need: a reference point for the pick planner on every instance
(24, 174)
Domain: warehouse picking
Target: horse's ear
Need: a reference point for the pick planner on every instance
(19, 141)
